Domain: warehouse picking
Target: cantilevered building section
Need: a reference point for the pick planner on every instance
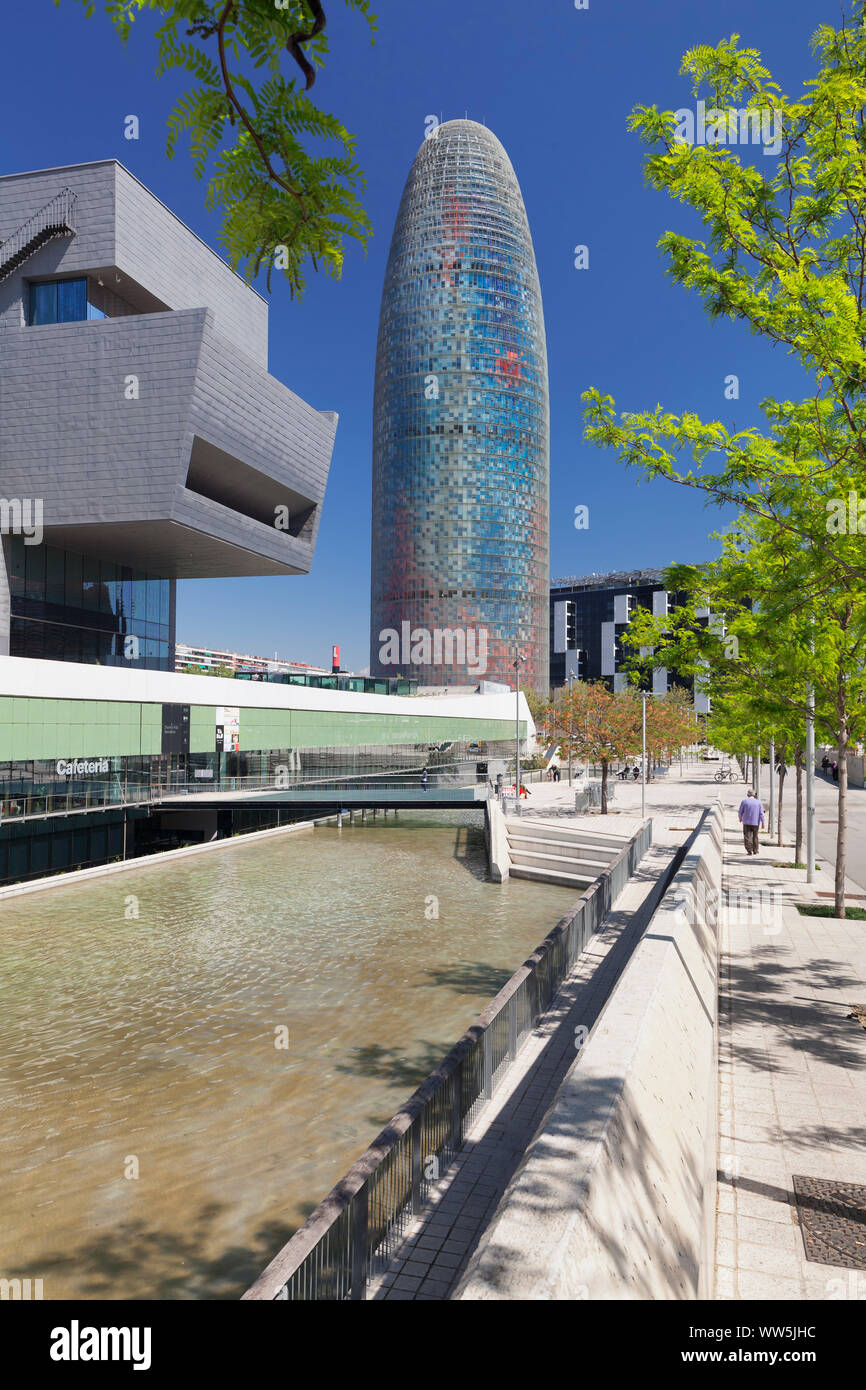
(461, 433)
(142, 439)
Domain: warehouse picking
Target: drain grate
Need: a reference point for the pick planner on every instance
(832, 1217)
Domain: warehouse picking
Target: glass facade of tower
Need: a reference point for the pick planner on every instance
(461, 429)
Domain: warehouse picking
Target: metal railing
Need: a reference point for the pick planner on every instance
(43, 799)
(57, 218)
(353, 1234)
(57, 799)
(436, 780)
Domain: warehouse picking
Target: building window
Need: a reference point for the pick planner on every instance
(70, 607)
(62, 301)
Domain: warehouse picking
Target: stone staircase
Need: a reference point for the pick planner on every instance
(572, 856)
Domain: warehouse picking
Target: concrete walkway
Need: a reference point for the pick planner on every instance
(792, 1065)
(442, 1239)
(792, 1073)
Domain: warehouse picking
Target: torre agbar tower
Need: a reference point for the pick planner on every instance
(460, 564)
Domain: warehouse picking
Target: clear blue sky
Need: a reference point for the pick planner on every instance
(557, 91)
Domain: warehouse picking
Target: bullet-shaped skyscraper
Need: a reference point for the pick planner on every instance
(460, 564)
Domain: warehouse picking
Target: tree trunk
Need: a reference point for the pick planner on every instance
(604, 786)
(782, 774)
(842, 833)
(798, 824)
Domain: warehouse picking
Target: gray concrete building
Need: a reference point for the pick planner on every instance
(142, 439)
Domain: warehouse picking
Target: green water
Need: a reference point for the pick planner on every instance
(159, 1140)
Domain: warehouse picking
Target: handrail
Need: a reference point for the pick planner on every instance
(56, 218)
(58, 798)
(352, 1235)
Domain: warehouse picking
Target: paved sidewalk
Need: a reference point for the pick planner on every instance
(792, 1065)
(442, 1239)
(792, 1074)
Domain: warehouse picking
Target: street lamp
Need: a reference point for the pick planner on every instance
(643, 757)
(517, 663)
(572, 676)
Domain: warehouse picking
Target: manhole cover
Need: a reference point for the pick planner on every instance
(832, 1218)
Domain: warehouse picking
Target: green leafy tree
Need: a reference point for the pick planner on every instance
(784, 623)
(282, 172)
(784, 253)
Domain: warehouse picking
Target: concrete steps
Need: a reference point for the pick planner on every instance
(591, 839)
(570, 856)
(582, 849)
(543, 852)
(550, 876)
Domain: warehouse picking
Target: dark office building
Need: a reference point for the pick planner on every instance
(588, 617)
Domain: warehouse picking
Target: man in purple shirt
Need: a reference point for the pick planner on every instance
(751, 817)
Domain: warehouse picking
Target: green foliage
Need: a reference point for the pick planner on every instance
(785, 253)
(282, 173)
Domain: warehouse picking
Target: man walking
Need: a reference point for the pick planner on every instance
(751, 817)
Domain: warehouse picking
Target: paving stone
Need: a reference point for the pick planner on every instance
(798, 1099)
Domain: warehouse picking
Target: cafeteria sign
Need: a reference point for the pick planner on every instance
(81, 767)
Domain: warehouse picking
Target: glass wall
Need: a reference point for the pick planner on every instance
(70, 607)
(37, 848)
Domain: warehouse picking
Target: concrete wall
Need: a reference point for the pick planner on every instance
(615, 1199)
(50, 710)
(96, 458)
(112, 470)
(120, 226)
(498, 857)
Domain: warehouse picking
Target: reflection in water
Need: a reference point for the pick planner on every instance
(150, 1044)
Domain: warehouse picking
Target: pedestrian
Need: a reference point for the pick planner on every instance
(424, 780)
(556, 774)
(835, 772)
(825, 763)
(751, 817)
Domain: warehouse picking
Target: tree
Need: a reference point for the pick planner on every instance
(786, 254)
(669, 723)
(226, 672)
(281, 205)
(783, 623)
(598, 726)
